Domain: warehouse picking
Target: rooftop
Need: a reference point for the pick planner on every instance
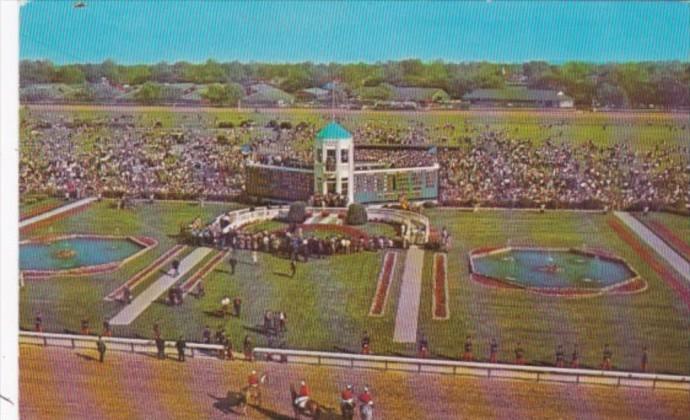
(333, 131)
(517, 94)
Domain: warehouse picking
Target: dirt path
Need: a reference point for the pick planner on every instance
(62, 383)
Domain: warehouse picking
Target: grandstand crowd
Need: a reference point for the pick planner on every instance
(483, 165)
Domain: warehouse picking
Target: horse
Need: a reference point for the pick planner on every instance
(311, 409)
(366, 411)
(347, 410)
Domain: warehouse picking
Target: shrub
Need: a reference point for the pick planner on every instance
(226, 124)
(297, 212)
(222, 140)
(285, 125)
(356, 214)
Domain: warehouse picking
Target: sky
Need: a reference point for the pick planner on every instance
(271, 31)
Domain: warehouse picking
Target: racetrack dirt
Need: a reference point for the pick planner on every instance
(58, 383)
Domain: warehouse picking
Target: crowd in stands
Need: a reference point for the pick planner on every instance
(122, 154)
(505, 171)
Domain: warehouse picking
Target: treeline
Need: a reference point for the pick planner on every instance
(638, 84)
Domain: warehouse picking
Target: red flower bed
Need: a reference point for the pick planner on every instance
(636, 285)
(666, 274)
(53, 218)
(485, 249)
(440, 278)
(385, 279)
(210, 265)
(493, 282)
(670, 238)
(44, 208)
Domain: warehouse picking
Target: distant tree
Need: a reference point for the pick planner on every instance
(149, 93)
(70, 75)
(356, 214)
(297, 212)
(611, 95)
(223, 94)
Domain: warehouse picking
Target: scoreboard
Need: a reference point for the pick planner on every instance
(279, 183)
(388, 185)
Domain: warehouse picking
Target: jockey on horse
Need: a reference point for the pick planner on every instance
(347, 402)
(252, 392)
(303, 396)
(302, 403)
(366, 409)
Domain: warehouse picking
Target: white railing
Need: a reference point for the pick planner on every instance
(415, 222)
(357, 361)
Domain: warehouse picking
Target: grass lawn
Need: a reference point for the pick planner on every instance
(328, 300)
(656, 317)
(64, 301)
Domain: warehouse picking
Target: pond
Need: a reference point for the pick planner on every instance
(74, 252)
(544, 268)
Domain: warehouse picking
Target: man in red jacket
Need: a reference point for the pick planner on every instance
(303, 396)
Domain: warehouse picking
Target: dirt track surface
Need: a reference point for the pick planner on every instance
(69, 384)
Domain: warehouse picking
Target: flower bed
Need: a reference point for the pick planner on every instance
(45, 222)
(384, 282)
(665, 273)
(440, 295)
(189, 285)
(669, 237)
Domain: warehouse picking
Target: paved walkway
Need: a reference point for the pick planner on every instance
(130, 312)
(55, 212)
(650, 238)
(410, 294)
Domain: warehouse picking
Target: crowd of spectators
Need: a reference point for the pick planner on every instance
(481, 164)
(503, 171)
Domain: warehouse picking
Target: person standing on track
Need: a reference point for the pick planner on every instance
(100, 345)
(181, 345)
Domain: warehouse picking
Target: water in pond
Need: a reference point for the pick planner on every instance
(62, 254)
(554, 269)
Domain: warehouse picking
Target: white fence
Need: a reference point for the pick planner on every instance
(356, 361)
(416, 223)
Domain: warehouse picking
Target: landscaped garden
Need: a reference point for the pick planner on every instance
(328, 302)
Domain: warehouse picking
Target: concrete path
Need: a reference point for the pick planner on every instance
(650, 238)
(55, 212)
(130, 312)
(410, 294)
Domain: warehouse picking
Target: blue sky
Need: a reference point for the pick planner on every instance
(271, 31)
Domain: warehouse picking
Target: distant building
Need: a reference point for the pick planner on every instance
(419, 95)
(262, 95)
(314, 94)
(519, 97)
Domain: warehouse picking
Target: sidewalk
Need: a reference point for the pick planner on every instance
(130, 312)
(410, 294)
